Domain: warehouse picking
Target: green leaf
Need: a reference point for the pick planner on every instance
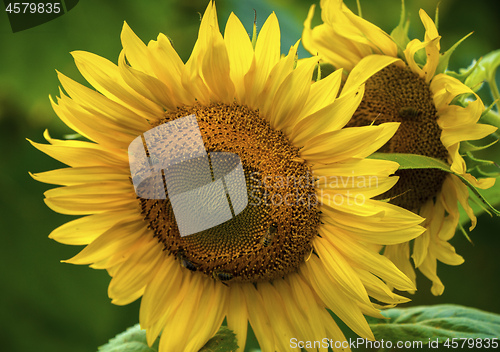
(467, 146)
(414, 161)
(134, 340)
(493, 196)
(485, 71)
(485, 173)
(72, 136)
(400, 33)
(223, 341)
(425, 323)
(131, 340)
(475, 162)
(464, 72)
(360, 13)
(323, 70)
(492, 117)
(445, 58)
(460, 228)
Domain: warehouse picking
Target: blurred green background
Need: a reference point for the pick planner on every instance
(49, 306)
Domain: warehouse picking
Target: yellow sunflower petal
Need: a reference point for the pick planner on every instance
(420, 248)
(86, 229)
(445, 253)
(372, 262)
(237, 316)
(94, 102)
(278, 316)
(370, 231)
(240, 53)
(275, 80)
(110, 134)
(322, 92)
(348, 143)
(288, 104)
(118, 239)
(147, 86)
(445, 88)
(366, 68)
(87, 206)
(163, 286)
(378, 289)
(449, 226)
(433, 214)
(340, 270)
(372, 216)
(137, 53)
(452, 136)
(102, 74)
(177, 329)
(462, 194)
(428, 268)
(349, 170)
(357, 192)
(483, 183)
(89, 198)
(267, 54)
(333, 331)
(399, 254)
(343, 306)
(344, 32)
(192, 77)
(413, 47)
(453, 116)
(215, 68)
(168, 67)
(320, 39)
(328, 119)
(209, 315)
(79, 155)
(174, 301)
(364, 32)
(132, 276)
(454, 190)
(74, 176)
(310, 319)
(432, 51)
(258, 318)
(304, 294)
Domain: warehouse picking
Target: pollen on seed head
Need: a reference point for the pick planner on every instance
(279, 190)
(396, 94)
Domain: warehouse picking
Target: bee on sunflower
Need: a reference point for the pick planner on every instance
(281, 266)
(417, 92)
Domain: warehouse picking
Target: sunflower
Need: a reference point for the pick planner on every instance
(416, 92)
(302, 238)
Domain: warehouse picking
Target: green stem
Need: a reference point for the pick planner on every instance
(493, 86)
(493, 118)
